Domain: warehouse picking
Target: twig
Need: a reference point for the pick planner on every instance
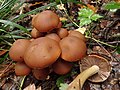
(114, 42)
(98, 41)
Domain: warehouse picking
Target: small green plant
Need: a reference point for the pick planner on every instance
(112, 5)
(86, 16)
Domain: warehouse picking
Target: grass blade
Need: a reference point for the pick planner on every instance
(14, 25)
(33, 11)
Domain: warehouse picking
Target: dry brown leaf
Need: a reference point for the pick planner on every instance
(3, 52)
(32, 87)
(92, 7)
(6, 69)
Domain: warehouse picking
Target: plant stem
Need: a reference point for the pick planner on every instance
(20, 88)
(98, 41)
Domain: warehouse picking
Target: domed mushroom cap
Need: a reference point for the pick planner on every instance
(62, 32)
(35, 33)
(77, 34)
(45, 21)
(22, 69)
(18, 49)
(101, 62)
(40, 74)
(73, 48)
(42, 52)
(53, 36)
(61, 67)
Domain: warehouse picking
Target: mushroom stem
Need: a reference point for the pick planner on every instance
(78, 82)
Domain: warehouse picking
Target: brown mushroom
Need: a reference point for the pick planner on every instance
(40, 74)
(94, 68)
(22, 69)
(62, 67)
(35, 33)
(53, 36)
(45, 21)
(62, 32)
(42, 52)
(59, 25)
(78, 82)
(73, 48)
(101, 62)
(18, 49)
(77, 34)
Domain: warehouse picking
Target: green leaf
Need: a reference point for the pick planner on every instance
(63, 86)
(85, 12)
(118, 49)
(3, 58)
(61, 79)
(85, 21)
(112, 5)
(95, 17)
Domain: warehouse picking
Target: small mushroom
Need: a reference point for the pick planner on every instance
(77, 34)
(59, 25)
(42, 52)
(45, 21)
(101, 62)
(53, 36)
(62, 32)
(22, 69)
(18, 49)
(62, 67)
(73, 48)
(35, 33)
(41, 74)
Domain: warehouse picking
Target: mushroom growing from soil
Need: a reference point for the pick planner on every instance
(22, 69)
(62, 32)
(62, 67)
(18, 49)
(42, 52)
(45, 21)
(94, 68)
(41, 74)
(73, 48)
(77, 34)
(53, 36)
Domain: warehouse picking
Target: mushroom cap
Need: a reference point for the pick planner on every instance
(53, 36)
(22, 69)
(35, 33)
(59, 25)
(77, 34)
(41, 74)
(73, 48)
(61, 67)
(42, 52)
(62, 32)
(101, 62)
(18, 49)
(45, 21)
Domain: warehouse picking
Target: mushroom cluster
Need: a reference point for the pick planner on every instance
(51, 48)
